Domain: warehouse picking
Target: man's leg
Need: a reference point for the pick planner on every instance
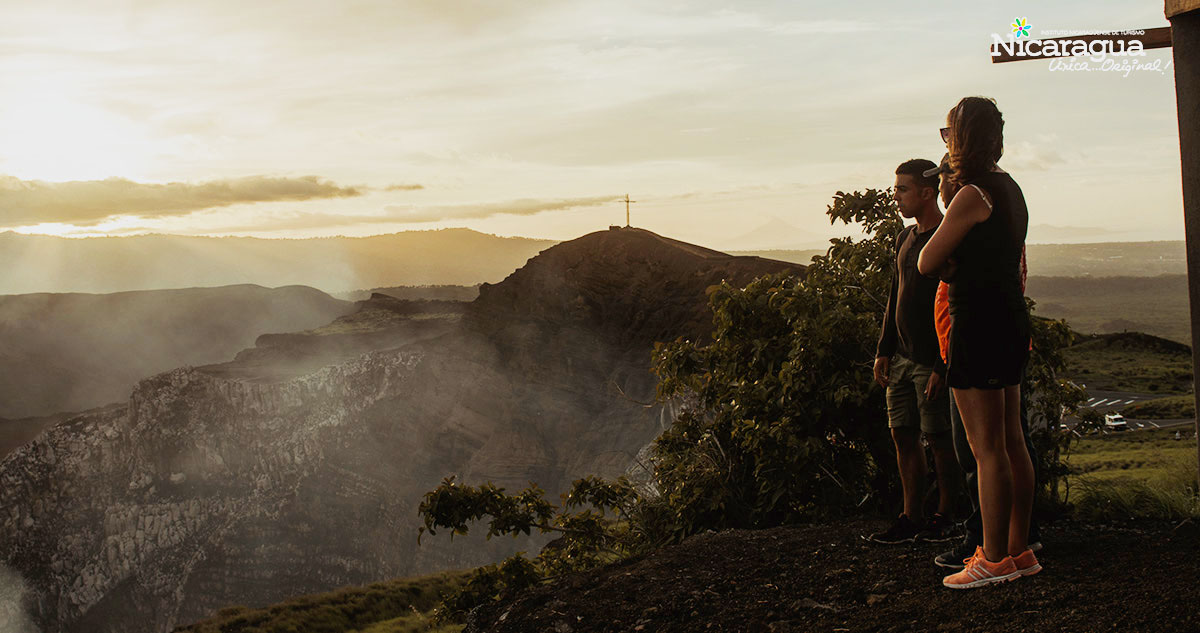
(973, 526)
(935, 424)
(910, 457)
(948, 474)
(966, 461)
(904, 421)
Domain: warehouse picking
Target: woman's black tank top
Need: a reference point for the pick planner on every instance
(989, 257)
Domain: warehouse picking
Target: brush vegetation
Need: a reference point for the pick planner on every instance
(1136, 475)
(399, 606)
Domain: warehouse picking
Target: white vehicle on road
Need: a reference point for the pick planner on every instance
(1115, 422)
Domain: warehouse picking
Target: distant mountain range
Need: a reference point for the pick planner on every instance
(39, 263)
(775, 234)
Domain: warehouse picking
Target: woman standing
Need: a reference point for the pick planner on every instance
(977, 249)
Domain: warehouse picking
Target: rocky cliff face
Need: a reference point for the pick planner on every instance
(242, 484)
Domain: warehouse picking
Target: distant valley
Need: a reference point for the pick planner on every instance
(1107, 305)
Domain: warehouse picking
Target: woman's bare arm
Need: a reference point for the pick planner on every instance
(967, 209)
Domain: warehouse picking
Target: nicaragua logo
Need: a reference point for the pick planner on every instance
(1020, 27)
(1096, 45)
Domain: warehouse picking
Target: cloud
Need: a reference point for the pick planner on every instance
(1040, 156)
(525, 206)
(270, 220)
(404, 188)
(37, 201)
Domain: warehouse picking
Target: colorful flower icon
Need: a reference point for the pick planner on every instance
(1021, 27)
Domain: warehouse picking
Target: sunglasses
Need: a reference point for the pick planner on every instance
(945, 135)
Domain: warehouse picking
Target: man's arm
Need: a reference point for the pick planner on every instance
(887, 332)
(941, 325)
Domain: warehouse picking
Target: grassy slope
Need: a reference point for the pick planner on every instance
(1143, 474)
(1145, 455)
(403, 605)
(1131, 362)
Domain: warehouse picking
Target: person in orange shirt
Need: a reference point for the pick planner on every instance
(973, 526)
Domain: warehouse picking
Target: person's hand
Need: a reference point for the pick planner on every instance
(883, 366)
(933, 386)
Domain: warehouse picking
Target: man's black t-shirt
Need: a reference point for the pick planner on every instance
(908, 323)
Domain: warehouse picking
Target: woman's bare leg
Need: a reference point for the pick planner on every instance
(1022, 472)
(983, 416)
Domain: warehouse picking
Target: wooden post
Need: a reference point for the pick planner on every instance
(1185, 31)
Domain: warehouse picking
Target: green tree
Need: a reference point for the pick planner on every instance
(787, 419)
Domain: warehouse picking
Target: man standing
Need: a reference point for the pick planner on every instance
(909, 366)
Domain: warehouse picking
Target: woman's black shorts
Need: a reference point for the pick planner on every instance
(988, 349)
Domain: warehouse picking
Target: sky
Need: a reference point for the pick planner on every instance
(730, 125)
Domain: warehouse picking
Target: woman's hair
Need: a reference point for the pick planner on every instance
(976, 137)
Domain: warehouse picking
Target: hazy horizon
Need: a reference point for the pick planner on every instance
(799, 247)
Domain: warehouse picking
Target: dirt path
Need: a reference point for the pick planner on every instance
(1143, 577)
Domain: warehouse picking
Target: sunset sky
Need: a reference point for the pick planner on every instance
(296, 119)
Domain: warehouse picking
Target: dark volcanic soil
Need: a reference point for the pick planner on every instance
(1143, 577)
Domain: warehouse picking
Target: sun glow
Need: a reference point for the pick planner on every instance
(117, 225)
(46, 133)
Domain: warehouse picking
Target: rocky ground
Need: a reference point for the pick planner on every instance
(1134, 577)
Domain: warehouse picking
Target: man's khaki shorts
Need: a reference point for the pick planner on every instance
(906, 403)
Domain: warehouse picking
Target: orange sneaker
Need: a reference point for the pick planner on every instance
(1027, 564)
(979, 571)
